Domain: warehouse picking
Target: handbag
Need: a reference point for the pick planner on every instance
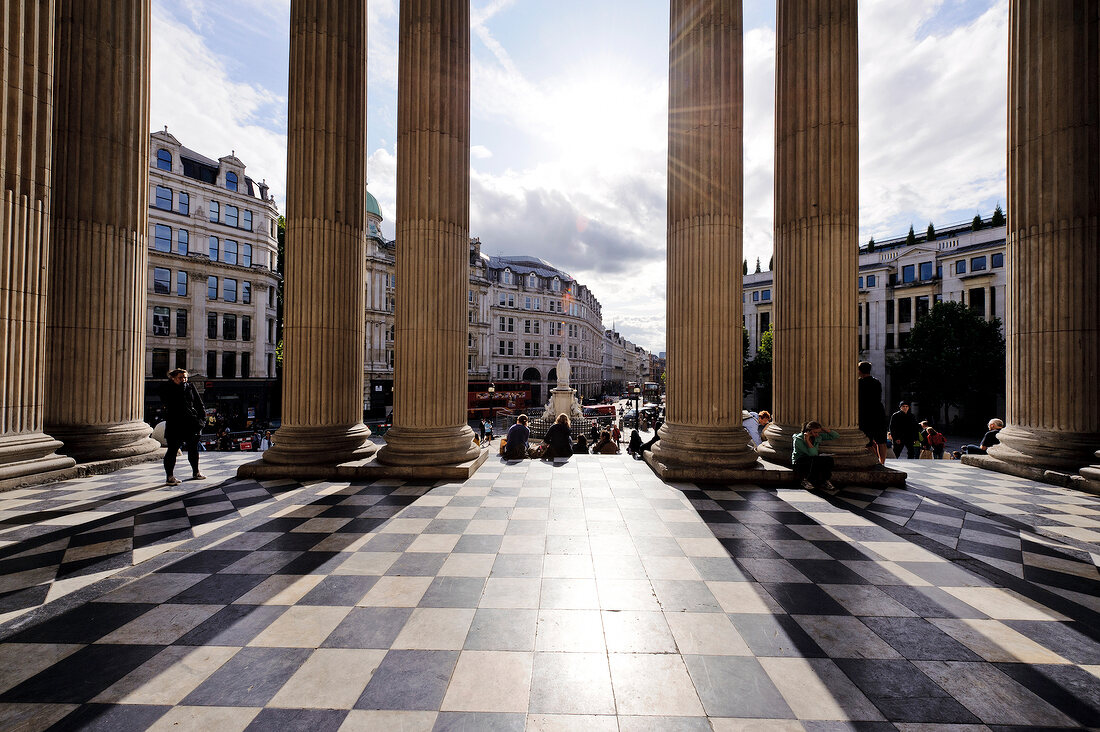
(926, 454)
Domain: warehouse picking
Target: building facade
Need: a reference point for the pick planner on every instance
(212, 281)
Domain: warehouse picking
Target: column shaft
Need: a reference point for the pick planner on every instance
(325, 286)
(703, 426)
(1053, 293)
(96, 326)
(26, 113)
(816, 227)
(433, 237)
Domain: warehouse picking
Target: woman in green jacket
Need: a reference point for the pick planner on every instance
(813, 466)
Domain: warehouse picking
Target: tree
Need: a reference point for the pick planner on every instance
(953, 358)
(771, 263)
(976, 224)
(744, 266)
(758, 371)
(911, 237)
(998, 218)
(930, 235)
(871, 244)
(758, 265)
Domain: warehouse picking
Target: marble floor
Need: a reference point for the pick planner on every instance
(578, 595)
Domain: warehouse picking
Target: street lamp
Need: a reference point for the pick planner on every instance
(638, 407)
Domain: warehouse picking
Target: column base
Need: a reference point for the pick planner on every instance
(27, 454)
(96, 442)
(850, 449)
(1044, 450)
(408, 446)
(326, 445)
(1089, 479)
(369, 469)
(704, 451)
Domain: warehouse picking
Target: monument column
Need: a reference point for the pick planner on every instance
(702, 435)
(26, 110)
(98, 262)
(433, 237)
(325, 286)
(816, 228)
(1053, 292)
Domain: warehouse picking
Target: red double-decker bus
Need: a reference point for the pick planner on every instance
(510, 396)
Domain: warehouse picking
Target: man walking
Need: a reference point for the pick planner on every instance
(185, 416)
(872, 417)
(904, 432)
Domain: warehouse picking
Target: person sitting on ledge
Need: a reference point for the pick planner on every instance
(634, 447)
(581, 448)
(515, 442)
(605, 445)
(814, 467)
(557, 440)
(989, 440)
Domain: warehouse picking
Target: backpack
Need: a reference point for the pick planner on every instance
(936, 439)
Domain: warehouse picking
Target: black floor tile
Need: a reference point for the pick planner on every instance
(388, 543)
(368, 627)
(486, 721)
(903, 693)
(918, 640)
(453, 592)
(1072, 641)
(749, 548)
(298, 720)
(1069, 689)
(339, 590)
(842, 550)
(314, 563)
(111, 717)
(732, 686)
(931, 602)
(218, 589)
(478, 544)
(85, 624)
(775, 635)
(249, 679)
(827, 572)
(802, 598)
(409, 680)
(719, 569)
(207, 561)
(417, 564)
(78, 678)
(234, 625)
(301, 541)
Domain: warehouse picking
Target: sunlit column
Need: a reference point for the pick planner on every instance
(433, 239)
(703, 428)
(97, 318)
(325, 286)
(816, 228)
(26, 109)
(1053, 292)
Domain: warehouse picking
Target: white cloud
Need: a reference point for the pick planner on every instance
(480, 152)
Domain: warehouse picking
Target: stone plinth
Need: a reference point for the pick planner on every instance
(1089, 479)
(703, 432)
(1052, 322)
(816, 225)
(368, 469)
(433, 225)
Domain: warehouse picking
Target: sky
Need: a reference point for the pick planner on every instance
(569, 105)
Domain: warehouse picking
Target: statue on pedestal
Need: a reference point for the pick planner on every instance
(562, 398)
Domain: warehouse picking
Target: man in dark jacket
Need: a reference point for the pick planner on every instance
(872, 417)
(184, 414)
(904, 432)
(515, 446)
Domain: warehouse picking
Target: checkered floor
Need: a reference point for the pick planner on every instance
(584, 595)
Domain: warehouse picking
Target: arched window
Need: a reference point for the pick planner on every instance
(507, 277)
(532, 281)
(164, 160)
(231, 181)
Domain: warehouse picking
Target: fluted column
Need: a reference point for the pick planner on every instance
(816, 228)
(703, 426)
(96, 326)
(26, 110)
(1053, 292)
(325, 285)
(433, 237)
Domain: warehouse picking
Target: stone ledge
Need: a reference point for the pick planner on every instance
(369, 469)
(80, 470)
(1052, 477)
(768, 474)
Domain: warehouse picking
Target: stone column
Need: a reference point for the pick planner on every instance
(815, 350)
(1053, 292)
(326, 222)
(97, 310)
(26, 110)
(702, 434)
(433, 237)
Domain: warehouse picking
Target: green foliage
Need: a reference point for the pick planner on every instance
(871, 244)
(998, 218)
(930, 235)
(771, 263)
(758, 265)
(954, 357)
(911, 237)
(976, 224)
(758, 371)
(744, 266)
(744, 346)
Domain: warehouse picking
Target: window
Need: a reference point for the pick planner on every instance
(246, 293)
(889, 341)
(556, 286)
(181, 358)
(183, 239)
(526, 326)
(500, 348)
(246, 328)
(922, 306)
(162, 318)
(164, 162)
(889, 312)
(246, 221)
(977, 264)
(246, 365)
(211, 364)
(229, 251)
(160, 363)
(977, 300)
(181, 325)
(905, 310)
(229, 365)
(766, 295)
(903, 339)
(164, 198)
(185, 204)
(908, 273)
(162, 238)
(212, 249)
(229, 290)
(960, 267)
(270, 365)
(536, 330)
(162, 281)
(538, 303)
(861, 283)
(231, 181)
(231, 216)
(893, 279)
(532, 281)
(926, 270)
(992, 302)
(181, 283)
(526, 348)
(535, 349)
(215, 212)
(211, 288)
(270, 330)
(211, 325)
(997, 260)
(870, 280)
(756, 295)
(246, 255)
(506, 277)
(229, 327)
(527, 303)
(511, 301)
(939, 271)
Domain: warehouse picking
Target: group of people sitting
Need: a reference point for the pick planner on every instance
(558, 442)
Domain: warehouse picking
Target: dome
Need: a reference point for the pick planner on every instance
(372, 206)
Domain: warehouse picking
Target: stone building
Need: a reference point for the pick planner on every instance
(212, 280)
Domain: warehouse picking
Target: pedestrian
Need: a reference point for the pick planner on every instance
(989, 440)
(185, 416)
(604, 445)
(558, 440)
(814, 467)
(581, 448)
(904, 432)
(515, 441)
(594, 433)
(932, 439)
(634, 447)
(754, 423)
(872, 417)
(616, 434)
(265, 441)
